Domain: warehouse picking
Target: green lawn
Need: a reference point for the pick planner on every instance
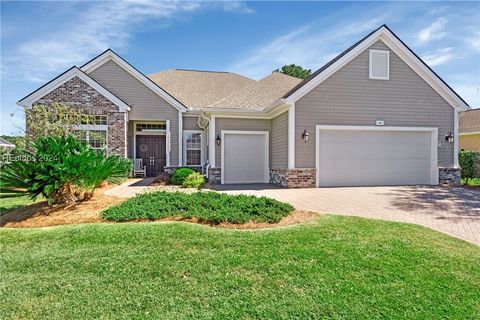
(475, 182)
(334, 267)
(10, 203)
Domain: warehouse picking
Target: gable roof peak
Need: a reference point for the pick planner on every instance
(391, 40)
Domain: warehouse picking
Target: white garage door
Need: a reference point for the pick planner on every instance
(244, 157)
(366, 158)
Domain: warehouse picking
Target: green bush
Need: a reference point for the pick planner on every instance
(180, 175)
(61, 169)
(209, 207)
(194, 180)
(467, 163)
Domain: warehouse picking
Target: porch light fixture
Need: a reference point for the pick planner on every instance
(218, 140)
(305, 135)
(449, 137)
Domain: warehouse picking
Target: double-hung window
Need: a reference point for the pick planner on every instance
(193, 147)
(93, 132)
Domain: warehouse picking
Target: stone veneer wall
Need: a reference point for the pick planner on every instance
(78, 94)
(294, 178)
(215, 175)
(449, 176)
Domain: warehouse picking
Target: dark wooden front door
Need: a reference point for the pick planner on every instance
(152, 149)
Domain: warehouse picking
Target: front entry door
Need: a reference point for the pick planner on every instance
(152, 149)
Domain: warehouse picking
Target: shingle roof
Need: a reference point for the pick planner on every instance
(260, 94)
(198, 89)
(469, 121)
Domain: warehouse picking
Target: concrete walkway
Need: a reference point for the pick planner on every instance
(130, 188)
(455, 211)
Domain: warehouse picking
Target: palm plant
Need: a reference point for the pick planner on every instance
(61, 169)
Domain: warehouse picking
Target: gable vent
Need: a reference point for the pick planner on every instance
(379, 61)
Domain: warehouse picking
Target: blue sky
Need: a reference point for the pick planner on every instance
(39, 40)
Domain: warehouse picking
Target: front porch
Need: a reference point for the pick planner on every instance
(162, 147)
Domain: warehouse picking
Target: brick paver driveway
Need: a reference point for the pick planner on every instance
(455, 211)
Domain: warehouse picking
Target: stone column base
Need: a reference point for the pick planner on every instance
(294, 178)
(449, 176)
(215, 175)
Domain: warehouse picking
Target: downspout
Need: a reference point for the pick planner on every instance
(199, 122)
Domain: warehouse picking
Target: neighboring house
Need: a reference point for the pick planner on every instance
(374, 115)
(469, 130)
(4, 144)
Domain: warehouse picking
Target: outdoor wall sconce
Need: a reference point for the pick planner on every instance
(449, 137)
(218, 140)
(305, 135)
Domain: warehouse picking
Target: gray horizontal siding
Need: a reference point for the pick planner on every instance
(279, 139)
(190, 123)
(349, 97)
(238, 124)
(145, 104)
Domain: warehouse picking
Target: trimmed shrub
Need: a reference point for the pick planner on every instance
(180, 175)
(62, 169)
(209, 207)
(194, 180)
(467, 161)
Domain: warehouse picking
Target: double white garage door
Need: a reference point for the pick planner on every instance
(375, 156)
(345, 156)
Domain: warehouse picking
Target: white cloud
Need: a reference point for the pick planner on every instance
(433, 32)
(473, 40)
(439, 57)
(237, 6)
(310, 46)
(100, 26)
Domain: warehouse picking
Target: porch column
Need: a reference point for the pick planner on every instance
(211, 141)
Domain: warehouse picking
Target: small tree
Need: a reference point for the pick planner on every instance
(467, 163)
(53, 120)
(295, 71)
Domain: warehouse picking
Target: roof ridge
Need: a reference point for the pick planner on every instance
(197, 70)
(201, 71)
(287, 75)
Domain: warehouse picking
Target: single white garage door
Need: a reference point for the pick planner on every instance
(369, 158)
(244, 157)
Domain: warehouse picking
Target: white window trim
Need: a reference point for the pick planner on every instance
(202, 147)
(433, 145)
(92, 127)
(266, 178)
(370, 64)
(152, 133)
